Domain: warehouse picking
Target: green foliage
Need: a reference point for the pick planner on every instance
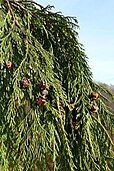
(63, 134)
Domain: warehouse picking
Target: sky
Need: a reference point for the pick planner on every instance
(96, 33)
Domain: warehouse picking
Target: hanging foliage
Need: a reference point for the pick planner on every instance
(52, 114)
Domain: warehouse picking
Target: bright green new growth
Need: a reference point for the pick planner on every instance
(44, 46)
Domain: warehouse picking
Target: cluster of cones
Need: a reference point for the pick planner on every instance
(94, 96)
(41, 100)
(25, 83)
(94, 109)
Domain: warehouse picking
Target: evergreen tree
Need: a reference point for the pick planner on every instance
(53, 116)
